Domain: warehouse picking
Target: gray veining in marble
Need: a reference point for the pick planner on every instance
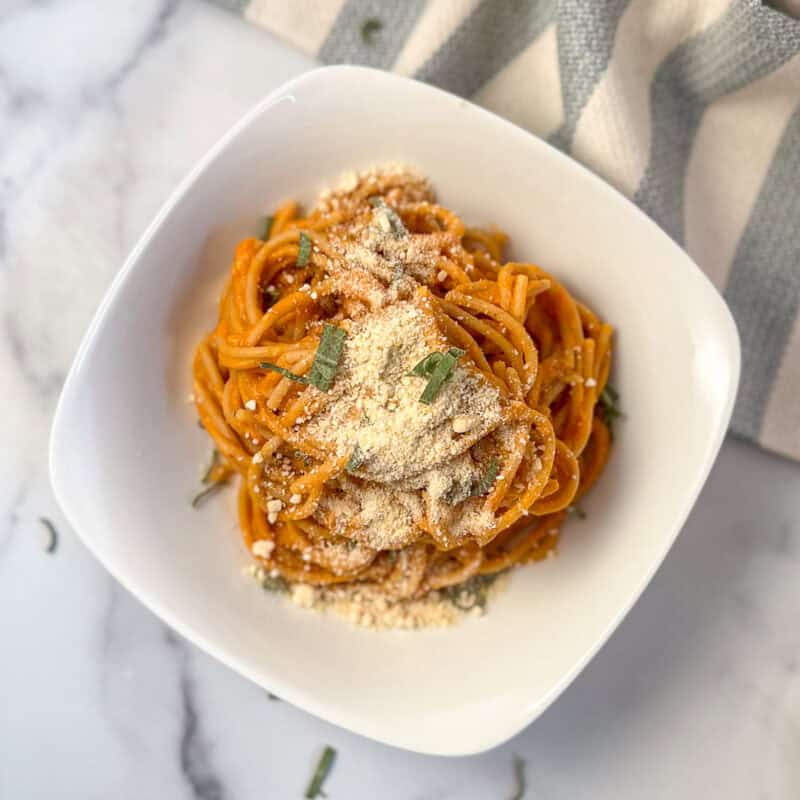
(103, 108)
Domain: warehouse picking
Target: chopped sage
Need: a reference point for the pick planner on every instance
(303, 249)
(204, 494)
(356, 459)
(371, 27)
(210, 488)
(283, 371)
(438, 371)
(486, 482)
(396, 224)
(425, 368)
(52, 535)
(210, 468)
(472, 593)
(274, 584)
(327, 357)
(519, 778)
(320, 773)
(609, 407)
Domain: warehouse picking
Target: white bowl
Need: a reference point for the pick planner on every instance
(126, 451)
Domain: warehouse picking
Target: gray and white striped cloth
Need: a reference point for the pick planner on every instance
(689, 107)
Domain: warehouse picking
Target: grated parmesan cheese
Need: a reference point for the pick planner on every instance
(368, 606)
(409, 449)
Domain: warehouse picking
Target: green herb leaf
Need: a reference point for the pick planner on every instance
(268, 220)
(519, 777)
(274, 584)
(52, 535)
(458, 492)
(285, 372)
(485, 483)
(609, 406)
(577, 511)
(356, 459)
(327, 357)
(371, 26)
(396, 224)
(440, 373)
(213, 463)
(273, 697)
(203, 495)
(471, 593)
(320, 773)
(426, 367)
(303, 249)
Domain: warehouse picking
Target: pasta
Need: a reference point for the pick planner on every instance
(405, 410)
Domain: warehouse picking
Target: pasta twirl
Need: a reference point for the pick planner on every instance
(458, 416)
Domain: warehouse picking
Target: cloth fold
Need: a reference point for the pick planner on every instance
(692, 109)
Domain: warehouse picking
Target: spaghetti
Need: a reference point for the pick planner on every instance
(443, 434)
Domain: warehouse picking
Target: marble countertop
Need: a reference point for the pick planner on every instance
(103, 108)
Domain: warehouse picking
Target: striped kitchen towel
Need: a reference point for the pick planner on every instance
(689, 107)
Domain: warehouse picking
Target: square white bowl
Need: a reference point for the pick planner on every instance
(125, 449)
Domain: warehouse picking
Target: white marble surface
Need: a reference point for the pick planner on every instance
(103, 107)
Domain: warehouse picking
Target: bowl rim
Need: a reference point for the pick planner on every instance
(726, 329)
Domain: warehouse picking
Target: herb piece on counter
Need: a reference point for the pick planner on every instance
(370, 28)
(576, 511)
(268, 220)
(356, 459)
(51, 542)
(395, 223)
(438, 371)
(487, 480)
(327, 357)
(320, 773)
(519, 778)
(609, 406)
(303, 249)
(472, 593)
(273, 697)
